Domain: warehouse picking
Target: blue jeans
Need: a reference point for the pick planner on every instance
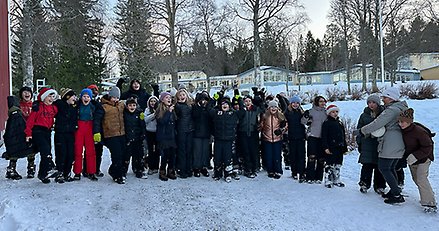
(273, 156)
(387, 168)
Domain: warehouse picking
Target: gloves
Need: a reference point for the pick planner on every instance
(278, 132)
(283, 124)
(97, 137)
(155, 87)
(216, 96)
(142, 116)
(357, 132)
(411, 159)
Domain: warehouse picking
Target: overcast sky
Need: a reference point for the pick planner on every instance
(317, 12)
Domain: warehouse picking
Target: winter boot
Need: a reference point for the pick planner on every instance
(218, 173)
(77, 177)
(171, 174)
(328, 176)
(60, 179)
(394, 199)
(336, 172)
(228, 173)
(430, 208)
(162, 175)
(205, 172)
(363, 187)
(197, 172)
(92, 177)
(141, 175)
(99, 173)
(31, 170)
(12, 174)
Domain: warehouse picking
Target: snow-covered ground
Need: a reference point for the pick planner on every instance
(204, 204)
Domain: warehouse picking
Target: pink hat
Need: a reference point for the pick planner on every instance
(331, 108)
(163, 95)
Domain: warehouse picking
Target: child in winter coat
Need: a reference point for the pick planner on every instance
(38, 129)
(84, 137)
(200, 114)
(97, 129)
(183, 110)
(166, 140)
(334, 145)
(153, 157)
(368, 148)
(26, 96)
(225, 122)
(66, 123)
(135, 134)
(114, 132)
(15, 138)
(419, 155)
(296, 139)
(273, 126)
(314, 119)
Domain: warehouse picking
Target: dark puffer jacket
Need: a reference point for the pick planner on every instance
(224, 124)
(66, 120)
(296, 130)
(134, 126)
(184, 117)
(141, 94)
(418, 142)
(333, 135)
(14, 137)
(248, 119)
(166, 128)
(202, 125)
(368, 146)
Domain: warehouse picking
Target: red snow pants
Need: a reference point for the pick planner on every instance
(84, 139)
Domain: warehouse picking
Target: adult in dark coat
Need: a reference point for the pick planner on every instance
(368, 148)
(136, 90)
(15, 138)
(200, 114)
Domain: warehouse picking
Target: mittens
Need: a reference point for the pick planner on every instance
(97, 137)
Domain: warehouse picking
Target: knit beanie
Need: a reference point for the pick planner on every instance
(226, 100)
(66, 93)
(273, 103)
(295, 99)
(114, 92)
(391, 92)
(407, 115)
(374, 98)
(331, 108)
(44, 92)
(23, 89)
(86, 91)
(131, 100)
(163, 95)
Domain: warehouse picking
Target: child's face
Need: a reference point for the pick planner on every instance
(273, 110)
(334, 114)
(27, 96)
(403, 124)
(167, 100)
(95, 92)
(322, 103)
(85, 99)
(248, 102)
(152, 103)
(295, 105)
(372, 105)
(225, 107)
(181, 97)
(71, 100)
(136, 86)
(49, 99)
(132, 107)
(114, 99)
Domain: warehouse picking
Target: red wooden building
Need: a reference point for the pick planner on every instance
(5, 73)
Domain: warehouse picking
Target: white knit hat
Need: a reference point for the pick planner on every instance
(273, 103)
(391, 92)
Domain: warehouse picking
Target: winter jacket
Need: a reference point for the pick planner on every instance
(166, 128)
(66, 120)
(367, 145)
(418, 142)
(317, 115)
(150, 121)
(248, 119)
(98, 115)
(14, 137)
(184, 117)
(42, 115)
(200, 116)
(26, 108)
(112, 123)
(333, 135)
(391, 145)
(224, 124)
(134, 126)
(141, 94)
(296, 130)
(269, 125)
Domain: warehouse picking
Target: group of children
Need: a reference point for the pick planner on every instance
(179, 132)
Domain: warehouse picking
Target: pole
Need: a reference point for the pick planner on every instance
(381, 41)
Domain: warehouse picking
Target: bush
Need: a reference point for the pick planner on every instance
(425, 90)
(349, 126)
(308, 97)
(357, 94)
(335, 94)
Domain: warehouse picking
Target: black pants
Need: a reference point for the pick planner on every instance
(116, 145)
(167, 158)
(316, 159)
(184, 152)
(387, 168)
(222, 153)
(366, 176)
(153, 152)
(134, 151)
(297, 156)
(64, 152)
(201, 153)
(41, 139)
(248, 145)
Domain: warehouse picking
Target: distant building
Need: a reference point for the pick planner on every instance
(418, 61)
(270, 74)
(431, 73)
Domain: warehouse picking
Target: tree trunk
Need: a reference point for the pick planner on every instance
(259, 80)
(170, 5)
(27, 46)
